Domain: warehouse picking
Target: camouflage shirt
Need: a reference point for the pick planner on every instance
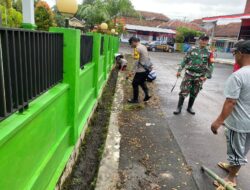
(196, 62)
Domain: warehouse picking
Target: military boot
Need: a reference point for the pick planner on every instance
(180, 104)
(190, 105)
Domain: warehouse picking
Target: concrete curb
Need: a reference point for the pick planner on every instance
(74, 155)
(108, 171)
(222, 61)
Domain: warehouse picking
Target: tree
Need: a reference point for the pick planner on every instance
(179, 37)
(93, 13)
(12, 19)
(6, 3)
(88, 2)
(119, 8)
(3, 2)
(17, 4)
(44, 16)
(185, 34)
(59, 18)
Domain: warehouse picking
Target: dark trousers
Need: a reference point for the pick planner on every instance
(140, 80)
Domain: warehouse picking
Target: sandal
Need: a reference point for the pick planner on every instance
(225, 167)
(221, 187)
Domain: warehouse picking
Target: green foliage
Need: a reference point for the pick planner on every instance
(11, 17)
(94, 13)
(179, 38)
(6, 3)
(59, 18)
(17, 4)
(3, 2)
(186, 34)
(118, 26)
(44, 16)
(88, 2)
(118, 8)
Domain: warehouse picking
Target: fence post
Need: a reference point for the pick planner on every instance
(111, 51)
(118, 44)
(96, 59)
(106, 61)
(71, 70)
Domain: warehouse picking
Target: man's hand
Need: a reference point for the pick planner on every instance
(129, 75)
(215, 126)
(203, 79)
(178, 74)
(226, 111)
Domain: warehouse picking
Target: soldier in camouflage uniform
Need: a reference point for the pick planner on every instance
(197, 69)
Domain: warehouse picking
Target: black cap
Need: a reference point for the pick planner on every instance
(133, 39)
(204, 37)
(242, 46)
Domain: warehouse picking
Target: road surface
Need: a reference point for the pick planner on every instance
(192, 133)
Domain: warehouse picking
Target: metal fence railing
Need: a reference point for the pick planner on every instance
(86, 50)
(30, 63)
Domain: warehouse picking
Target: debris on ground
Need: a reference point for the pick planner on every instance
(150, 158)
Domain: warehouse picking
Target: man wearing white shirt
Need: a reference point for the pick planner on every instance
(236, 113)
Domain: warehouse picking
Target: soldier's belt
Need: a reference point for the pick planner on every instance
(192, 73)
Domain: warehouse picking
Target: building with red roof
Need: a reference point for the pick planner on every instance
(225, 36)
(174, 24)
(147, 26)
(244, 32)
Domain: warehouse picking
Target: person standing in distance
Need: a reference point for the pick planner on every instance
(197, 70)
(140, 76)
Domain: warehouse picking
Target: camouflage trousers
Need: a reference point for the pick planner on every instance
(191, 85)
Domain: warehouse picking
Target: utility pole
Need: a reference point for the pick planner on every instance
(213, 33)
(185, 18)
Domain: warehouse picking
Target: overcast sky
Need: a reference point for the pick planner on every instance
(191, 9)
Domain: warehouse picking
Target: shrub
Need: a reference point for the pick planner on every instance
(44, 16)
(186, 35)
(11, 17)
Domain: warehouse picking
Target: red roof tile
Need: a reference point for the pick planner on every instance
(229, 30)
(150, 19)
(197, 21)
(142, 22)
(174, 24)
(153, 16)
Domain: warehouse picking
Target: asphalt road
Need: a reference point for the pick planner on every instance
(192, 133)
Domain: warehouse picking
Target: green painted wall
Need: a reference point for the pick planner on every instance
(35, 145)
